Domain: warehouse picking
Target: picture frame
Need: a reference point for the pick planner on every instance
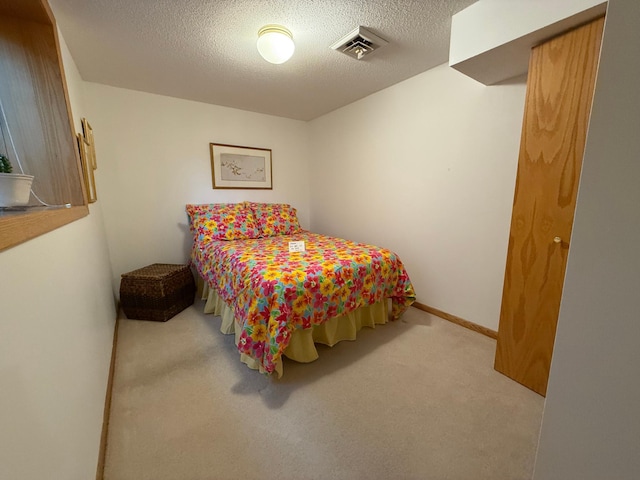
(87, 131)
(237, 167)
(87, 169)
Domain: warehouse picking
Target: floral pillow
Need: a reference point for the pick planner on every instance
(275, 218)
(222, 221)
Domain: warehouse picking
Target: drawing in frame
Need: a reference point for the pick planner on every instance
(233, 166)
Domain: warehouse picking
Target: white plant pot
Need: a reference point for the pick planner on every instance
(15, 189)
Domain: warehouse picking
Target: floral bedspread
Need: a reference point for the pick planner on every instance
(273, 292)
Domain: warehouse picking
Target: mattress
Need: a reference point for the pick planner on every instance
(272, 293)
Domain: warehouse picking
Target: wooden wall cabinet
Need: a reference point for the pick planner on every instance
(36, 105)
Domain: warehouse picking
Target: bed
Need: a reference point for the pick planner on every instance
(280, 302)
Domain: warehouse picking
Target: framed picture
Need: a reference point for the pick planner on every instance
(87, 169)
(233, 166)
(87, 131)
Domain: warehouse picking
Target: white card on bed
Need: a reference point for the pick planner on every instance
(297, 246)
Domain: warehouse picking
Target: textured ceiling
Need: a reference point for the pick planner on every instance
(205, 50)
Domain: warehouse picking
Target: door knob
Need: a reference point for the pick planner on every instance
(557, 240)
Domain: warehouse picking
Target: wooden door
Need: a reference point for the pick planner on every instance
(562, 74)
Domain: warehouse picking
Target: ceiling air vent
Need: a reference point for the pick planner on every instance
(359, 43)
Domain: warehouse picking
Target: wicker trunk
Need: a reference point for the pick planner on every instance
(157, 292)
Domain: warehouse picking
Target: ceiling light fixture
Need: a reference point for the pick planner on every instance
(275, 43)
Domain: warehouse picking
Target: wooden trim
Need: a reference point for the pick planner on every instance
(102, 452)
(18, 227)
(457, 320)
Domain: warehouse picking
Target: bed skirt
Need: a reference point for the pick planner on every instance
(301, 347)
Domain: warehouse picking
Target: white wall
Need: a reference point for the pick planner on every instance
(591, 425)
(426, 168)
(56, 329)
(153, 158)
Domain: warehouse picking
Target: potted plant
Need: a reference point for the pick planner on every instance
(15, 188)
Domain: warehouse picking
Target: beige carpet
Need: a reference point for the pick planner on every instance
(413, 399)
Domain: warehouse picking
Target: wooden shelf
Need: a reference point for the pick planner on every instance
(17, 227)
